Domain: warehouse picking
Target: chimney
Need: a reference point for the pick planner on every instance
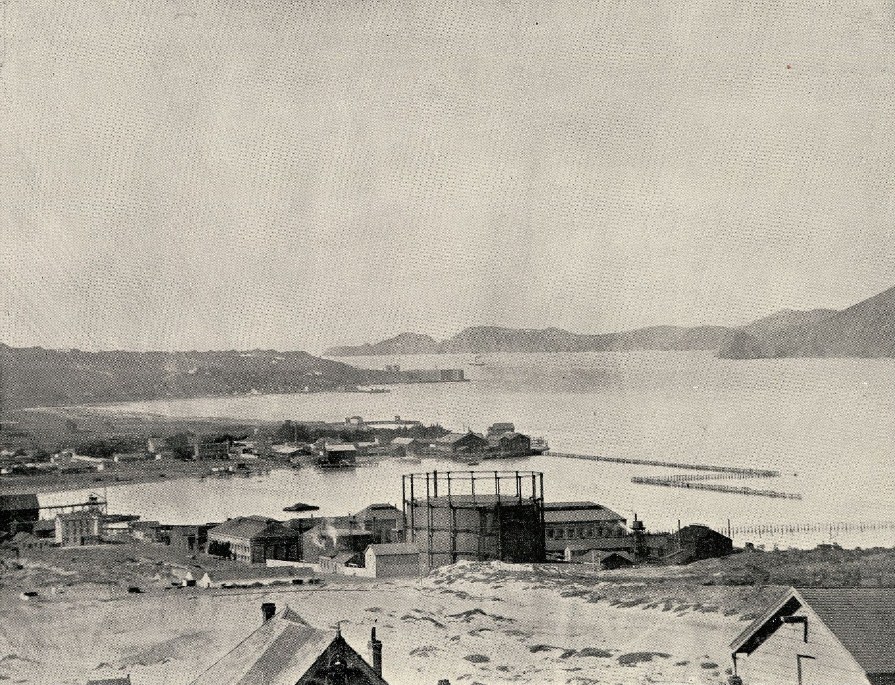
(376, 650)
(268, 609)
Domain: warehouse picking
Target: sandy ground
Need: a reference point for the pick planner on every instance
(471, 623)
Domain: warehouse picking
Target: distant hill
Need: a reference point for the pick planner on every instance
(866, 329)
(403, 343)
(485, 339)
(37, 377)
(787, 318)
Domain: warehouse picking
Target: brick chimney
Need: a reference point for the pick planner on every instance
(376, 652)
(268, 609)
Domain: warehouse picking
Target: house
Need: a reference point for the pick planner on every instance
(496, 429)
(385, 521)
(285, 650)
(509, 444)
(334, 535)
(461, 443)
(339, 454)
(253, 577)
(405, 446)
(577, 521)
(695, 542)
(842, 636)
(26, 541)
(255, 539)
(79, 528)
(18, 512)
(392, 560)
(123, 457)
(336, 564)
(606, 560)
(144, 530)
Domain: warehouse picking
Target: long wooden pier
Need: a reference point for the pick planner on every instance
(728, 471)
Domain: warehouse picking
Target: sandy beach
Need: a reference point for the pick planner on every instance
(470, 623)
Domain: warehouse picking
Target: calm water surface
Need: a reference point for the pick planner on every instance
(827, 425)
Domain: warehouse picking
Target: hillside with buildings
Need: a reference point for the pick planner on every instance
(35, 376)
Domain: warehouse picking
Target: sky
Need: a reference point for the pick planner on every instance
(190, 174)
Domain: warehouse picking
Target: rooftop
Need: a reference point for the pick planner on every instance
(280, 652)
(863, 620)
(251, 526)
(394, 549)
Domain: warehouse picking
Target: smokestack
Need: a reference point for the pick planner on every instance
(268, 609)
(376, 651)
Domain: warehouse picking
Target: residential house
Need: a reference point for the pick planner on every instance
(285, 650)
(813, 636)
(392, 560)
(255, 539)
(79, 528)
(18, 512)
(566, 522)
(209, 449)
(461, 444)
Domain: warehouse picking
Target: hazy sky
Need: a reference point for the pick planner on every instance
(196, 175)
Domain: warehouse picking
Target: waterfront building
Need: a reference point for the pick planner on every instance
(500, 428)
(468, 443)
(574, 522)
(844, 636)
(509, 444)
(695, 542)
(406, 447)
(287, 650)
(255, 539)
(339, 454)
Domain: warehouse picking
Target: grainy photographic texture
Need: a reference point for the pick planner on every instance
(447, 343)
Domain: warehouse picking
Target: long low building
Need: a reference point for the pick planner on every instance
(255, 576)
(573, 522)
(255, 539)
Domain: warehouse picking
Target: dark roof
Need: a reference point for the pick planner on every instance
(578, 512)
(279, 652)
(862, 619)
(18, 502)
(251, 526)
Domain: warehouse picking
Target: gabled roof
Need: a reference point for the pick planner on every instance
(862, 619)
(394, 549)
(251, 526)
(279, 652)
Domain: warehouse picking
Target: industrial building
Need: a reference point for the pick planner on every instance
(255, 539)
(80, 528)
(474, 515)
(569, 522)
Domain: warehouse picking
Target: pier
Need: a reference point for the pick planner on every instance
(725, 471)
(714, 487)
